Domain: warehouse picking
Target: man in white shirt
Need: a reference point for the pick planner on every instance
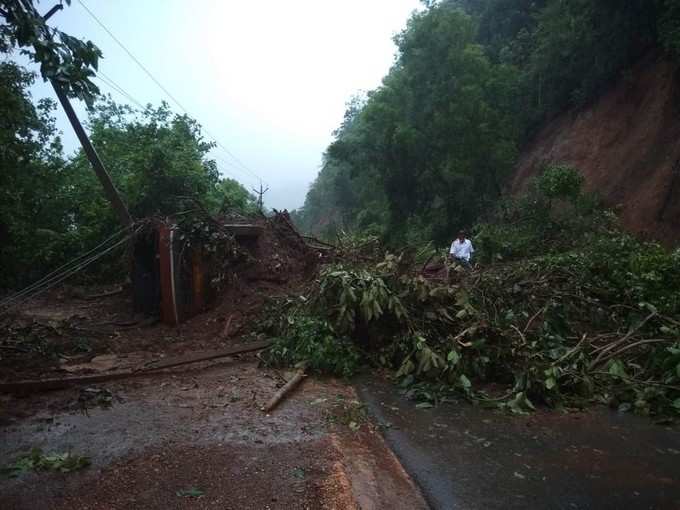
(462, 250)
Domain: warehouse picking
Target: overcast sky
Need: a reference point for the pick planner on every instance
(269, 79)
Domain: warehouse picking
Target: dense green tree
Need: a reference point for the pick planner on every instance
(438, 137)
(69, 61)
(31, 177)
(578, 47)
(53, 209)
(669, 27)
(230, 195)
(159, 162)
(431, 149)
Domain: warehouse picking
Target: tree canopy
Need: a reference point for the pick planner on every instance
(53, 207)
(429, 151)
(69, 61)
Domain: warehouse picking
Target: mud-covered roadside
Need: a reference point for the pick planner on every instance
(202, 431)
(192, 437)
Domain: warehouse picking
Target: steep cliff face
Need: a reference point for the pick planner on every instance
(627, 146)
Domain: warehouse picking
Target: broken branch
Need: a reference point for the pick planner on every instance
(287, 388)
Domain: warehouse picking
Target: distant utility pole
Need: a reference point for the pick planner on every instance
(97, 165)
(260, 193)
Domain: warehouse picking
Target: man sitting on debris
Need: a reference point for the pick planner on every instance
(462, 250)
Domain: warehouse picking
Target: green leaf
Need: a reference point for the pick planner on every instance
(37, 461)
(520, 404)
(617, 369)
(192, 492)
(406, 368)
(625, 407)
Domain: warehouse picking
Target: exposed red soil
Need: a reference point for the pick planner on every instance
(61, 330)
(626, 146)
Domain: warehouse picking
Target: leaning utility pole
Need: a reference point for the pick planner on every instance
(260, 193)
(109, 188)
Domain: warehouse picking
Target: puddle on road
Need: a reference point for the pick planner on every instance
(471, 458)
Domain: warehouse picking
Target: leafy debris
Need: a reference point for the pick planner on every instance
(191, 492)
(38, 461)
(567, 310)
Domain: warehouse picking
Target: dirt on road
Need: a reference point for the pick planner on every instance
(190, 437)
(198, 439)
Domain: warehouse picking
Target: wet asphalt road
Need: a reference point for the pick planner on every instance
(464, 457)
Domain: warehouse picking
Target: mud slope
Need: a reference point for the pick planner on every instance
(627, 145)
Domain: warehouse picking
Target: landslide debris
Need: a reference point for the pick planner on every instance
(562, 309)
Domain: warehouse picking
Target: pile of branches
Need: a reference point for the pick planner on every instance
(566, 309)
(567, 337)
(511, 335)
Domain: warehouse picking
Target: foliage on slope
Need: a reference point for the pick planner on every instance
(31, 172)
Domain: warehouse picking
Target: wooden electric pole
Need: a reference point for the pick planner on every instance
(109, 188)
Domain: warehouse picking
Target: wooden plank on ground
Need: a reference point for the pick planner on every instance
(208, 355)
(30, 386)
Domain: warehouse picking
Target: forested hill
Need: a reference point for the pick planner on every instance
(433, 148)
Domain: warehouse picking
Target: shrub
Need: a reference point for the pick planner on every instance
(310, 340)
(560, 181)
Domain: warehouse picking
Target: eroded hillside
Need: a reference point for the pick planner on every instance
(627, 146)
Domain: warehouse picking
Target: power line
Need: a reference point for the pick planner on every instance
(148, 73)
(160, 85)
(60, 270)
(120, 90)
(228, 164)
(65, 271)
(232, 155)
(101, 74)
(112, 85)
(108, 81)
(60, 278)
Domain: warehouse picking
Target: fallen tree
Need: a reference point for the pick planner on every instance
(567, 310)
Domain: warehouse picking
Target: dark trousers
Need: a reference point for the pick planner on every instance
(463, 262)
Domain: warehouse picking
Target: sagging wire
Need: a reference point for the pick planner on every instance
(65, 271)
